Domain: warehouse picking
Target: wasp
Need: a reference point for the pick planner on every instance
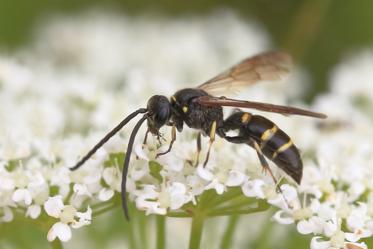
(201, 108)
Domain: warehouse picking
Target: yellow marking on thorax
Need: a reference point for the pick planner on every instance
(245, 118)
(185, 109)
(282, 148)
(173, 98)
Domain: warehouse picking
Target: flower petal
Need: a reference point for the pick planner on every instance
(33, 211)
(53, 206)
(59, 230)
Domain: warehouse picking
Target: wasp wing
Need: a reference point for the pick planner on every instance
(262, 67)
(286, 110)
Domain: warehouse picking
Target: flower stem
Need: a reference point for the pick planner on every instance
(226, 242)
(56, 244)
(161, 232)
(196, 230)
(104, 210)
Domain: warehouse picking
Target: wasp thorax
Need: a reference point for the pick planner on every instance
(159, 112)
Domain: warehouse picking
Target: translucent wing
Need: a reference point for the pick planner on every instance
(286, 110)
(262, 67)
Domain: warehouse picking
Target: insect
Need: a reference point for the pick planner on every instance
(201, 108)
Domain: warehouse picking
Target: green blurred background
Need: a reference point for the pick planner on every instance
(318, 33)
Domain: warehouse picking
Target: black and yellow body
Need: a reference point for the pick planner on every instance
(273, 142)
(186, 110)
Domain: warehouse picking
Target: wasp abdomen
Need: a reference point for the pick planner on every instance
(275, 144)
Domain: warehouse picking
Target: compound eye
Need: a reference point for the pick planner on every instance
(162, 116)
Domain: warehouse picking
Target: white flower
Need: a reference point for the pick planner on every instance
(67, 215)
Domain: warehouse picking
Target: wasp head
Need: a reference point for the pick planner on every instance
(159, 113)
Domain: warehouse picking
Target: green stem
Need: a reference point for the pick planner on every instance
(142, 225)
(104, 210)
(231, 194)
(161, 232)
(178, 215)
(237, 203)
(226, 242)
(56, 244)
(196, 230)
(260, 208)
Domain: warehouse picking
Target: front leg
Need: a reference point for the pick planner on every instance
(173, 138)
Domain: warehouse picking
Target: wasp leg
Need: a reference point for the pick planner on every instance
(144, 143)
(236, 139)
(266, 167)
(199, 148)
(262, 159)
(173, 138)
(212, 139)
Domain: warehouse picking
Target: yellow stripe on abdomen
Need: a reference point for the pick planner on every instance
(267, 135)
(282, 148)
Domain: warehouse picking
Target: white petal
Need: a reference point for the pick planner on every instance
(84, 218)
(177, 201)
(283, 217)
(53, 206)
(8, 215)
(6, 183)
(112, 177)
(253, 188)
(177, 188)
(305, 227)
(235, 178)
(81, 190)
(215, 184)
(313, 225)
(23, 196)
(289, 192)
(353, 237)
(150, 207)
(204, 173)
(139, 151)
(33, 211)
(316, 243)
(105, 194)
(171, 162)
(330, 228)
(178, 197)
(59, 230)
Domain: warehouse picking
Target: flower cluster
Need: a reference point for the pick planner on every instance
(57, 104)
